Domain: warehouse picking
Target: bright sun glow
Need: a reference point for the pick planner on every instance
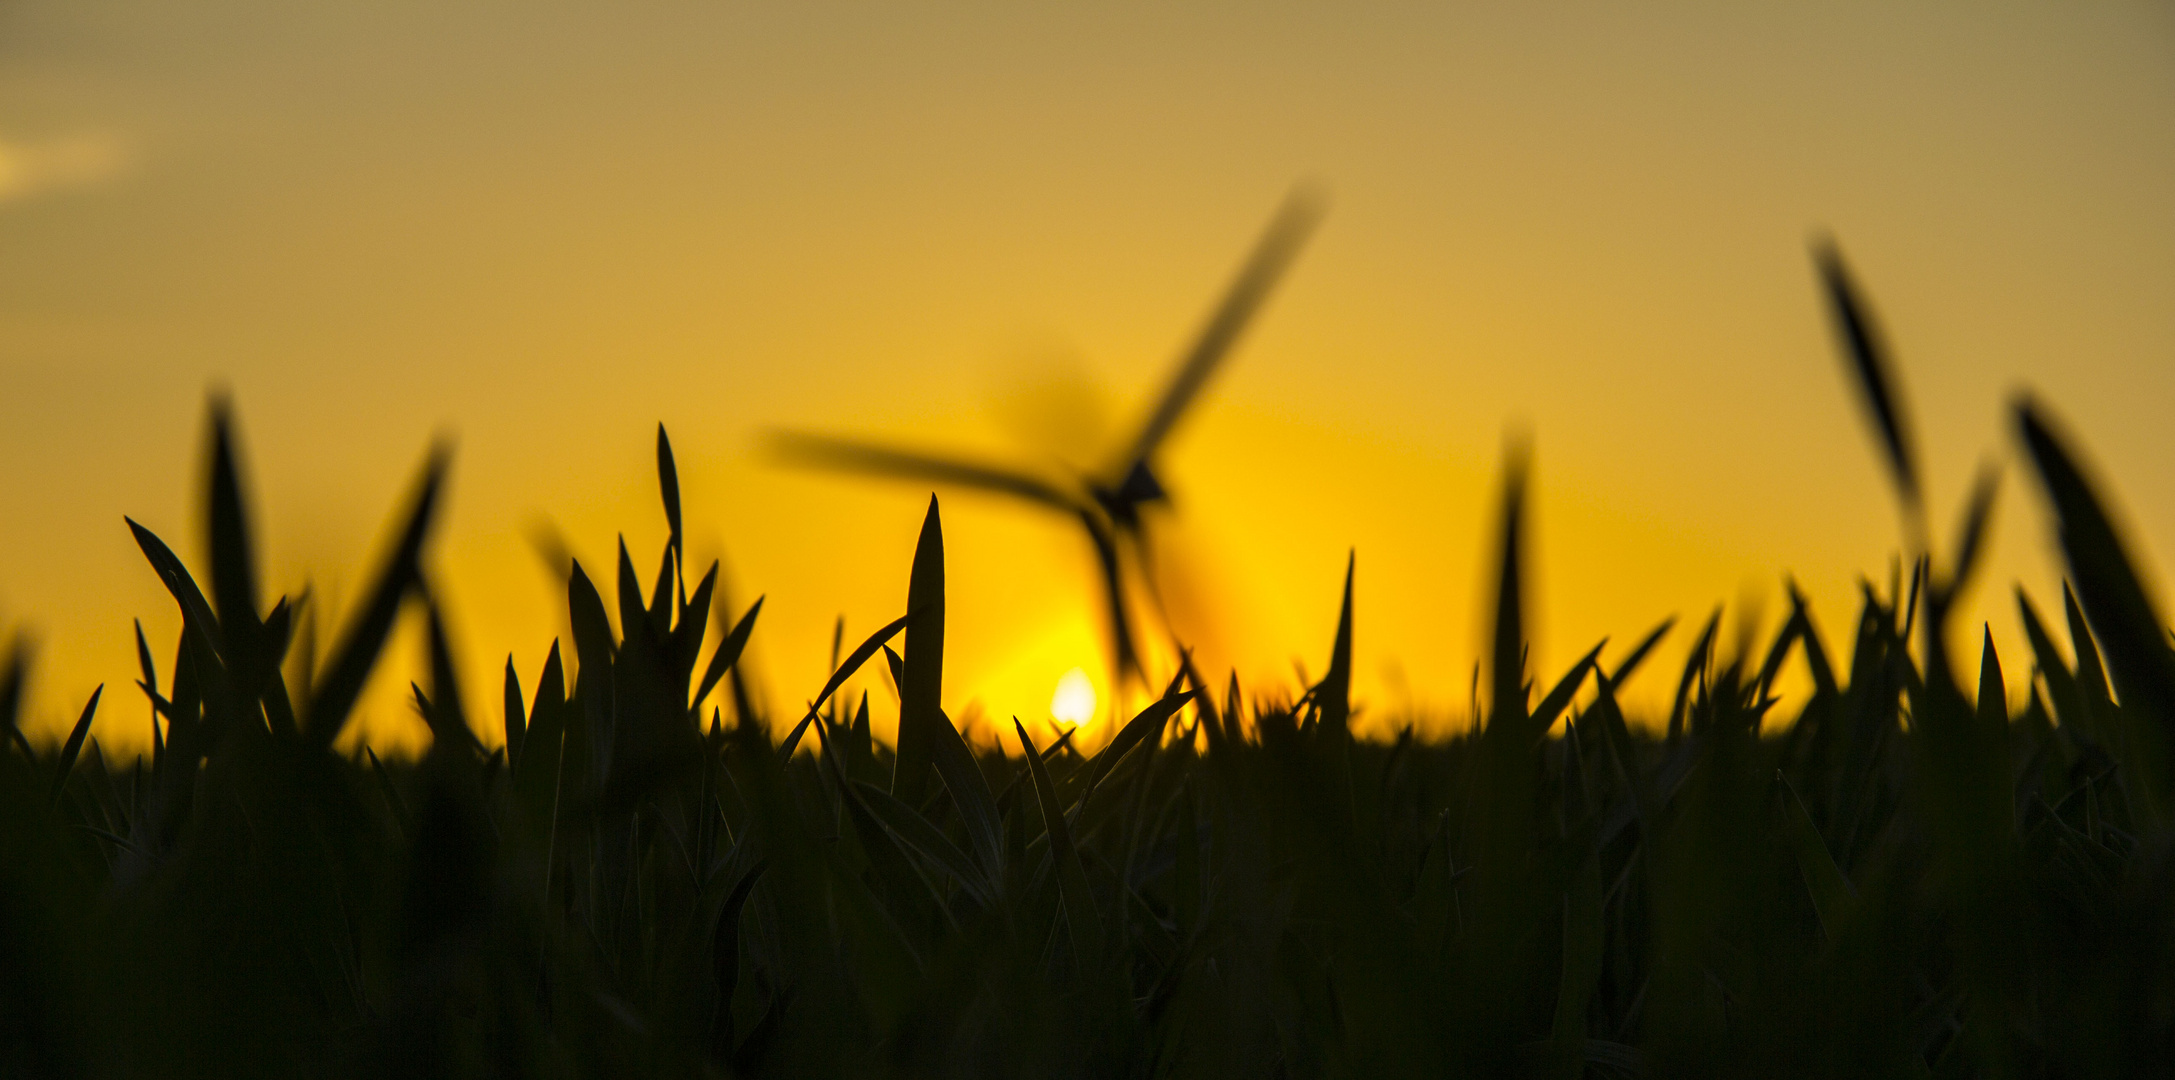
(1074, 701)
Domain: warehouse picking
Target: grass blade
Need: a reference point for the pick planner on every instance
(2123, 617)
(357, 653)
(1508, 705)
(728, 653)
(921, 681)
(1639, 652)
(1875, 375)
(1141, 729)
(1971, 533)
(971, 795)
(516, 723)
(859, 656)
(233, 556)
(74, 746)
(1333, 695)
(668, 485)
(1082, 921)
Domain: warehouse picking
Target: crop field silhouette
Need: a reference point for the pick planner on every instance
(628, 869)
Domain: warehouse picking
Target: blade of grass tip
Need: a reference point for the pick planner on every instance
(660, 598)
(1333, 695)
(1777, 652)
(793, 739)
(1232, 703)
(1830, 891)
(854, 661)
(1993, 690)
(74, 746)
(971, 795)
(392, 794)
(1508, 706)
(2123, 616)
(233, 558)
(2061, 682)
(687, 632)
(195, 610)
(1140, 729)
(1816, 654)
(1876, 380)
(1559, 697)
(516, 719)
(729, 650)
(922, 669)
(1639, 652)
(449, 721)
(143, 660)
(860, 746)
(1083, 923)
(1971, 532)
(593, 647)
(1694, 663)
(633, 613)
(2091, 675)
(11, 697)
(896, 668)
(351, 660)
(668, 486)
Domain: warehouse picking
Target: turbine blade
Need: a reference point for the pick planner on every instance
(1272, 255)
(847, 455)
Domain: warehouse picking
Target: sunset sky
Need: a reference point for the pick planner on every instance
(544, 228)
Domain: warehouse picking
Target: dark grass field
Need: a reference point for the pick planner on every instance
(1904, 878)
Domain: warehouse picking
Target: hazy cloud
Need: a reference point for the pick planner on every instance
(32, 168)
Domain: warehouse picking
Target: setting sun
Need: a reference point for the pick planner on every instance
(1074, 701)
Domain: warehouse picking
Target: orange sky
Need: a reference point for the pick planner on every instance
(546, 229)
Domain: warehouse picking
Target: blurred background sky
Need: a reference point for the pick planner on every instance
(545, 227)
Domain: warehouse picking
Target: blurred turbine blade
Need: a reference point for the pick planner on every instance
(846, 455)
(1288, 231)
(1121, 630)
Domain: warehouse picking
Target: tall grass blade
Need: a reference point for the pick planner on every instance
(1875, 374)
(2123, 616)
(516, 718)
(668, 485)
(728, 652)
(1083, 922)
(1142, 729)
(1333, 695)
(921, 681)
(858, 657)
(74, 746)
(1971, 533)
(233, 555)
(971, 796)
(195, 610)
(1640, 651)
(351, 660)
(1508, 668)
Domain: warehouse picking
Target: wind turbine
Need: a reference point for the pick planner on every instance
(1106, 505)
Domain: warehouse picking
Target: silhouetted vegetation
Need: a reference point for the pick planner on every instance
(1907, 877)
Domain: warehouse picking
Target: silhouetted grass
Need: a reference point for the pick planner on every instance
(1904, 878)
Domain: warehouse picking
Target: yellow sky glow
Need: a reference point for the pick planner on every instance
(544, 232)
